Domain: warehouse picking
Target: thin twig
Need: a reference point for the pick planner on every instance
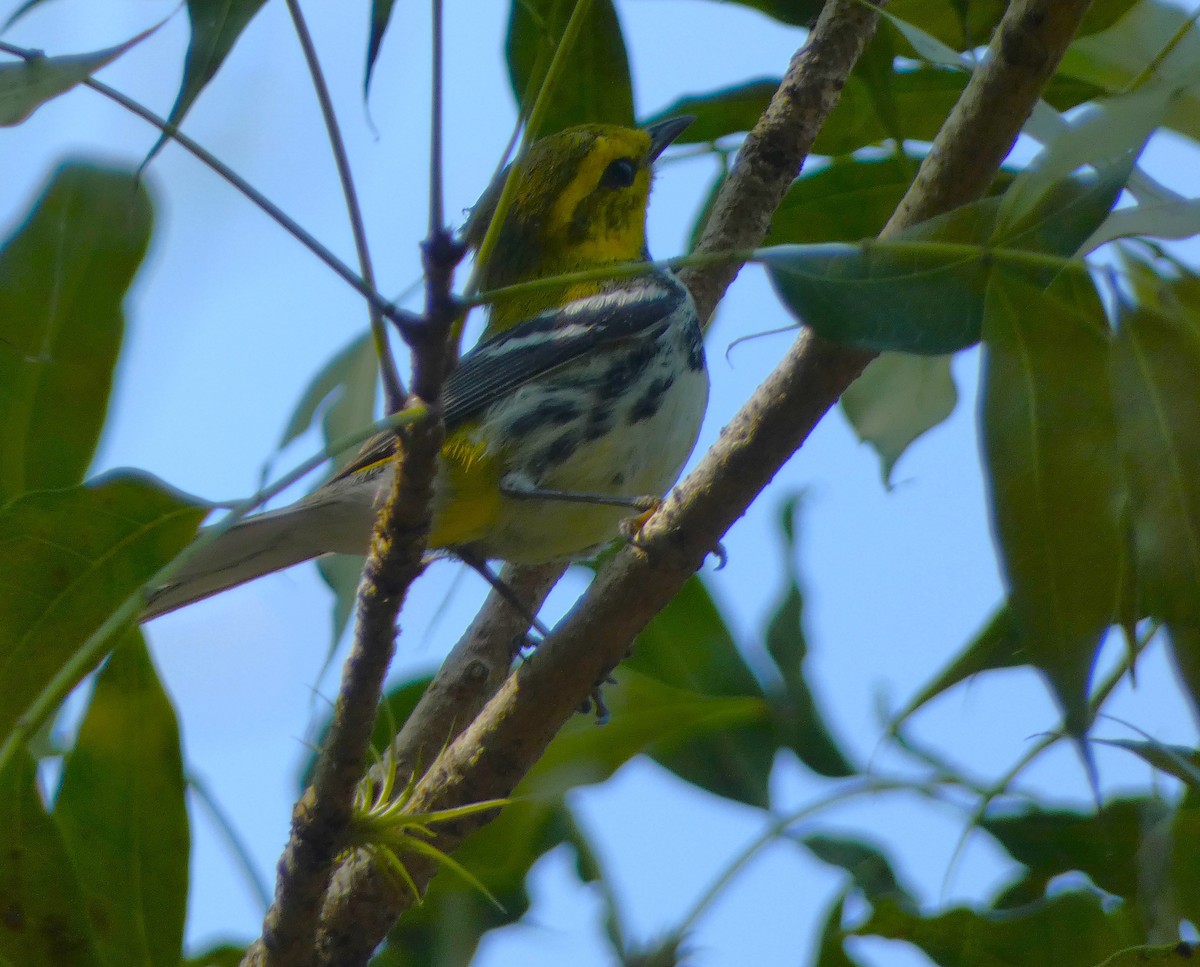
(320, 820)
(536, 116)
(437, 218)
(393, 388)
(252, 194)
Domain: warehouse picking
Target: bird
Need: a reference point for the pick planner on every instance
(575, 412)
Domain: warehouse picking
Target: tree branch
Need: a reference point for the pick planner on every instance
(505, 740)
(321, 817)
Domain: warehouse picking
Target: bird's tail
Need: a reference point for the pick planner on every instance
(263, 544)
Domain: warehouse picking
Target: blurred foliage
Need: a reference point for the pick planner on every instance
(1090, 423)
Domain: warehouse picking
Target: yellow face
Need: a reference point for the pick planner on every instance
(580, 202)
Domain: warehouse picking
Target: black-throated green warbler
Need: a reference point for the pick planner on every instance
(577, 400)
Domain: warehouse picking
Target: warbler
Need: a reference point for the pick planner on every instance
(579, 402)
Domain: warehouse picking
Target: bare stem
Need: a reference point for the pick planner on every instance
(392, 386)
(223, 171)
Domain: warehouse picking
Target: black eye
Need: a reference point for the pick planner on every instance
(620, 174)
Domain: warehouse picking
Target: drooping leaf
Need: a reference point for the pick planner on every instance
(923, 290)
(63, 277)
(342, 397)
(798, 718)
(381, 15)
(27, 85)
(870, 870)
(341, 574)
(896, 400)
(223, 955)
(689, 647)
(960, 26)
(922, 297)
(1108, 135)
(1054, 476)
(1175, 760)
(1173, 219)
(43, 922)
(919, 100)
(997, 645)
(70, 559)
(1185, 857)
(1152, 34)
(1105, 845)
(1185, 653)
(848, 199)
(719, 113)
(1069, 930)
(1156, 385)
(342, 394)
(832, 949)
(122, 813)
(216, 26)
(595, 87)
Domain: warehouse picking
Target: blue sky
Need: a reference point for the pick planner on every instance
(230, 318)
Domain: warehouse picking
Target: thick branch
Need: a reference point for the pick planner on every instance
(363, 904)
(507, 738)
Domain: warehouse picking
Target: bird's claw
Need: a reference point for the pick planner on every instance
(631, 527)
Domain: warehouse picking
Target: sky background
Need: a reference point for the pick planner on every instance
(228, 321)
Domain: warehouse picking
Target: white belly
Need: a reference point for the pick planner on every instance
(641, 455)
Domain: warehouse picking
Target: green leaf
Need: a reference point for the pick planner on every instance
(1109, 846)
(1054, 475)
(1069, 930)
(43, 922)
(216, 26)
(1168, 955)
(342, 394)
(1175, 760)
(122, 813)
(1151, 34)
(849, 199)
(1156, 385)
(689, 647)
(595, 88)
(1108, 135)
(897, 399)
(223, 955)
(71, 558)
(719, 113)
(1165, 219)
(924, 290)
(381, 15)
(997, 645)
(1185, 653)
(798, 719)
(27, 85)
(1185, 858)
(960, 26)
(918, 297)
(832, 949)
(921, 99)
(342, 574)
(869, 868)
(63, 277)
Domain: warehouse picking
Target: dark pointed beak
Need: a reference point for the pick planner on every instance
(662, 133)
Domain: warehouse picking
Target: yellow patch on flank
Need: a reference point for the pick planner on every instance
(468, 492)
